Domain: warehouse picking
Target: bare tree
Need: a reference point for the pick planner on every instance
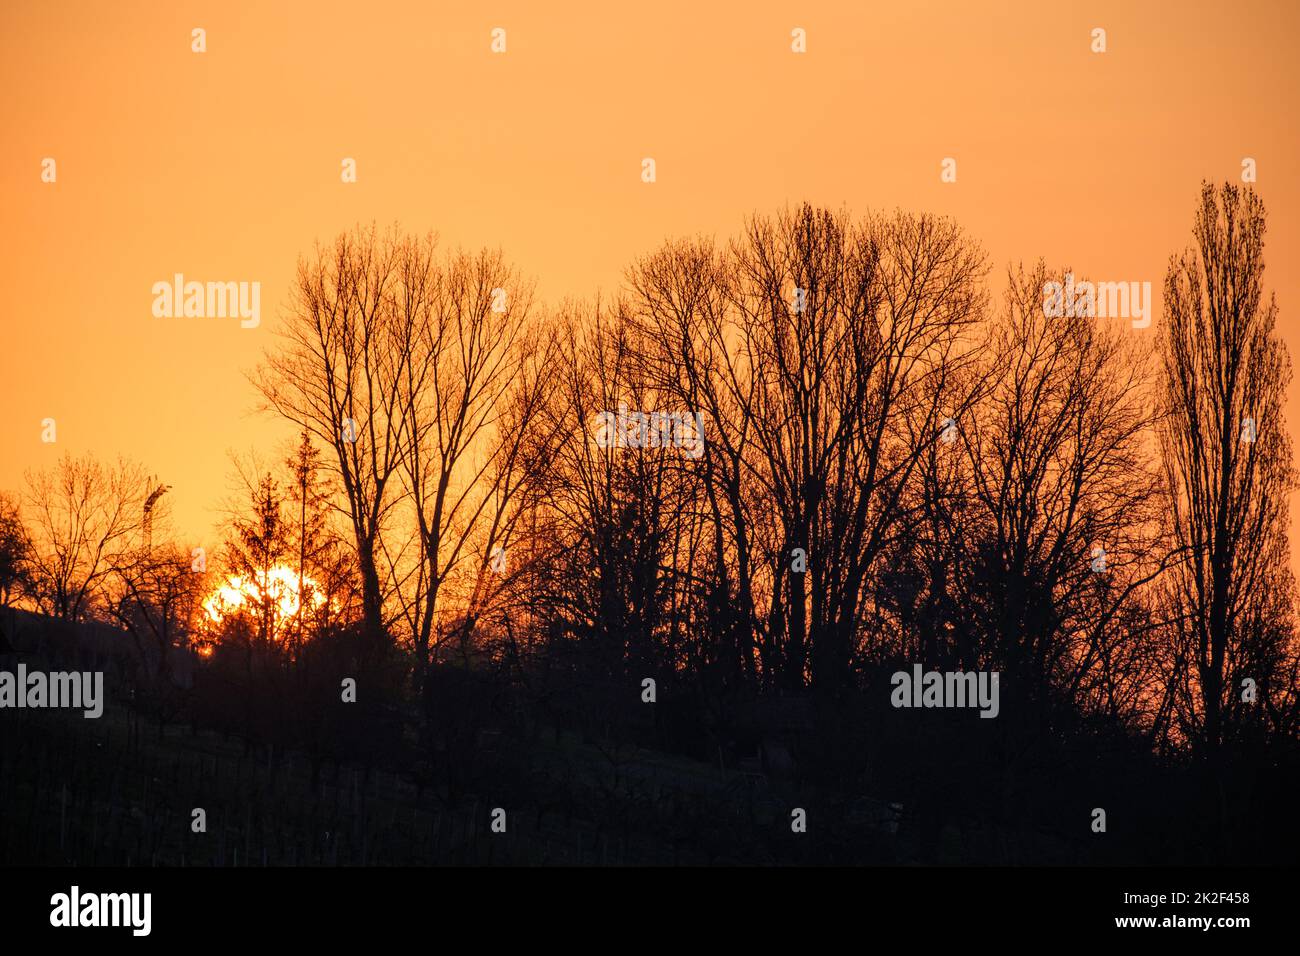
(82, 516)
(1229, 467)
(1063, 533)
(466, 349)
(825, 354)
(337, 376)
(688, 352)
(615, 511)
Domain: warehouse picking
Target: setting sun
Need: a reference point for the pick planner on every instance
(280, 587)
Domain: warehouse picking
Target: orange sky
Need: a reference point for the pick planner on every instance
(225, 165)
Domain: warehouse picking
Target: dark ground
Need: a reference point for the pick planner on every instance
(307, 787)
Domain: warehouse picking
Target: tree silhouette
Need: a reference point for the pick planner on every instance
(1229, 467)
(14, 551)
(337, 376)
(81, 516)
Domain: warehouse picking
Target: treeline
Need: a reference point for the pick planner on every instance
(898, 459)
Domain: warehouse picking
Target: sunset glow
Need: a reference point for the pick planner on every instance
(778, 435)
(281, 586)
